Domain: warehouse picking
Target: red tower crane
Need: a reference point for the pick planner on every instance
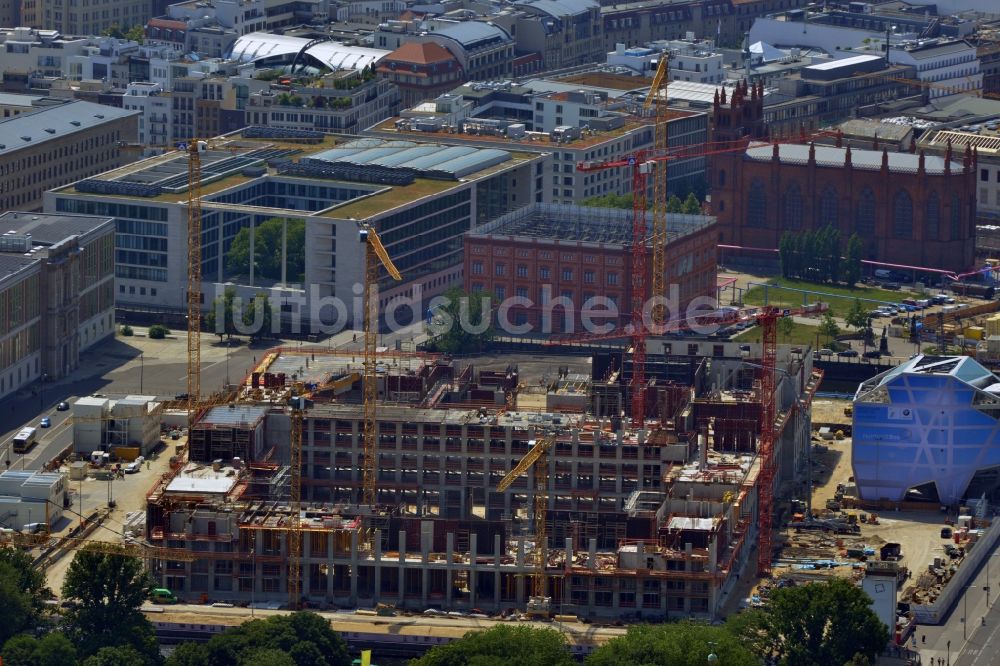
(767, 318)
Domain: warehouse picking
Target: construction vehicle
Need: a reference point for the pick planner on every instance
(539, 605)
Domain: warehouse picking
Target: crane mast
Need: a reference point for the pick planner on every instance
(194, 278)
(375, 256)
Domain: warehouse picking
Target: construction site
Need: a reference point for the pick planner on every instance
(615, 520)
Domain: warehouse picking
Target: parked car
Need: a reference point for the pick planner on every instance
(848, 353)
(825, 352)
(45, 422)
(133, 467)
(892, 286)
(62, 406)
(873, 354)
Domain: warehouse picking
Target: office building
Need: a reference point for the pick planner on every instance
(333, 185)
(59, 145)
(57, 289)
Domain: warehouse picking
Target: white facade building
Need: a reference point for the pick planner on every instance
(948, 66)
(28, 498)
(101, 424)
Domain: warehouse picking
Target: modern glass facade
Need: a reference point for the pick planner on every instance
(932, 420)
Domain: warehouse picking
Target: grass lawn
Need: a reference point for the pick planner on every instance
(802, 334)
(840, 301)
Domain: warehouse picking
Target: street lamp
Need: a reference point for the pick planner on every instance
(949, 652)
(712, 657)
(965, 610)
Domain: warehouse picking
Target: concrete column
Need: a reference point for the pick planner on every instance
(377, 593)
(424, 572)
(306, 581)
(592, 555)
(522, 597)
(329, 563)
(496, 571)
(402, 569)
(473, 571)
(449, 550)
(354, 567)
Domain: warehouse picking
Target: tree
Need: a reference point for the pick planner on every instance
(857, 317)
(17, 612)
(623, 201)
(262, 328)
(158, 332)
(828, 327)
(786, 325)
(463, 322)
(680, 644)
(136, 34)
(110, 589)
(267, 248)
(53, 649)
(674, 204)
(852, 260)
(691, 205)
(501, 645)
(786, 251)
(121, 655)
(303, 639)
(822, 624)
(222, 306)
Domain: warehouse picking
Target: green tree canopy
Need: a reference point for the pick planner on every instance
(610, 201)
(828, 327)
(817, 624)
(674, 204)
(502, 645)
(463, 322)
(680, 644)
(857, 317)
(262, 328)
(302, 639)
(222, 306)
(852, 260)
(17, 610)
(109, 589)
(267, 250)
(691, 205)
(121, 655)
(785, 326)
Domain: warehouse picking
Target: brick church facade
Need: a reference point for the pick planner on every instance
(909, 209)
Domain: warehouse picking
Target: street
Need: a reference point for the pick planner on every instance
(947, 642)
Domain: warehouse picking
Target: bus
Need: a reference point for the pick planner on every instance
(24, 440)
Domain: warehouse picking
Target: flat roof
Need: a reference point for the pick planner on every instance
(56, 122)
(233, 415)
(428, 158)
(568, 223)
(46, 229)
(844, 62)
(831, 156)
(199, 479)
(14, 99)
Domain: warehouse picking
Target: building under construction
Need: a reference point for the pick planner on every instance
(655, 521)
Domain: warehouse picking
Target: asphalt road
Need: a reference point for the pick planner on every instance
(115, 368)
(947, 642)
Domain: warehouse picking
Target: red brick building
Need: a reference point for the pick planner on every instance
(551, 255)
(908, 208)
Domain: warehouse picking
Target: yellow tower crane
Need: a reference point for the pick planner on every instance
(194, 150)
(661, 142)
(297, 403)
(538, 456)
(375, 256)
